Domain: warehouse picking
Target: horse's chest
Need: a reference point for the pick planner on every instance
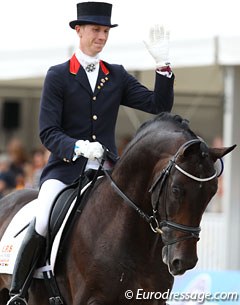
(138, 282)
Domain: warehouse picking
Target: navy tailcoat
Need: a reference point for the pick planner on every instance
(71, 111)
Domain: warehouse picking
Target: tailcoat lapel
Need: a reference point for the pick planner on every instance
(75, 68)
(82, 78)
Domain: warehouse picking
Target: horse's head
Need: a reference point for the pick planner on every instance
(180, 172)
(180, 194)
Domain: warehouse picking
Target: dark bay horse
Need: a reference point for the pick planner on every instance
(137, 230)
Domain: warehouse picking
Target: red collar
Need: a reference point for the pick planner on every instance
(75, 65)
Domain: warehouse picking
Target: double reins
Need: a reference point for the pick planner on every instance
(161, 182)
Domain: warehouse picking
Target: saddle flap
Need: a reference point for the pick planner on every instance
(59, 211)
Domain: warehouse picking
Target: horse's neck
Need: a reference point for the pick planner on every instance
(133, 176)
(131, 230)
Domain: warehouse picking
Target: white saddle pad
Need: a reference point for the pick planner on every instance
(10, 243)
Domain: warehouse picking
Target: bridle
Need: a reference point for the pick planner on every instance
(162, 181)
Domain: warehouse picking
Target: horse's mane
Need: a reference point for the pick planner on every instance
(165, 121)
(167, 117)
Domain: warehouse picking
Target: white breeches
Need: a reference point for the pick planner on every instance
(47, 193)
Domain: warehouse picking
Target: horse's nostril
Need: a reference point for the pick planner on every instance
(177, 264)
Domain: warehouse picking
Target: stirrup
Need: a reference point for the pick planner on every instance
(17, 300)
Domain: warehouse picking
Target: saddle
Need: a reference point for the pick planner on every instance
(80, 191)
(65, 198)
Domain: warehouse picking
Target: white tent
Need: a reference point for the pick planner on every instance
(133, 55)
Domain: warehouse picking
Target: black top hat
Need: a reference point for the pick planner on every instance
(93, 13)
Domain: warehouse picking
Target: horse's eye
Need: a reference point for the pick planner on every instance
(177, 192)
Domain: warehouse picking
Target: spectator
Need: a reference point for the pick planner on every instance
(4, 162)
(18, 161)
(38, 161)
(7, 183)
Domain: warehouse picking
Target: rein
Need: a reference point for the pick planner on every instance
(125, 197)
(155, 225)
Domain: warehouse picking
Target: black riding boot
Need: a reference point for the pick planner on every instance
(25, 264)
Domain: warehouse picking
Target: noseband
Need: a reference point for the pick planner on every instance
(161, 182)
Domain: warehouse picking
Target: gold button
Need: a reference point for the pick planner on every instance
(101, 84)
(103, 80)
(94, 98)
(94, 137)
(95, 117)
(99, 87)
(106, 78)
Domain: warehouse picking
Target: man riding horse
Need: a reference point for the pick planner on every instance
(78, 113)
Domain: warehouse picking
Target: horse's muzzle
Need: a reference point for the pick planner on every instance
(178, 262)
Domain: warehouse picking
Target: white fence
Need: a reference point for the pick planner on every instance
(212, 246)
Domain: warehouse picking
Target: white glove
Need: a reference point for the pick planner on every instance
(158, 45)
(90, 150)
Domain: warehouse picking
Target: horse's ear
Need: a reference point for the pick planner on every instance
(217, 153)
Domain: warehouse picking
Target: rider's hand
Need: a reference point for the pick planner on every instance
(90, 150)
(158, 45)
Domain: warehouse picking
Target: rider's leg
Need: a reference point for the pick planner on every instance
(33, 243)
(47, 194)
